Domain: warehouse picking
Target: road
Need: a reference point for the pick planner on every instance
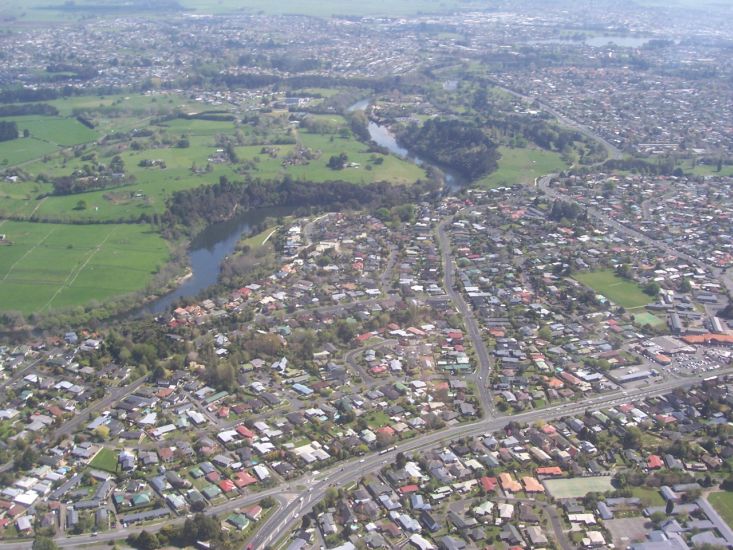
(472, 328)
(351, 471)
(725, 278)
(113, 397)
(614, 152)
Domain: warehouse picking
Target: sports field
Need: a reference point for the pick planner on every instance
(45, 266)
(620, 291)
(578, 487)
(522, 166)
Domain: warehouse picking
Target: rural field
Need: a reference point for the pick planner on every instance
(51, 265)
(621, 292)
(522, 166)
(38, 10)
(47, 266)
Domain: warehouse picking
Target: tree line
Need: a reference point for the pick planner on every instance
(190, 209)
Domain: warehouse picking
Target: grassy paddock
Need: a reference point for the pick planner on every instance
(52, 265)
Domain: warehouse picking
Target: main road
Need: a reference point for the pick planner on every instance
(472, 328)
(292, 508)
(349, 472)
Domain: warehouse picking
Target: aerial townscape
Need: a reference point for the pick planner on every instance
(338, 275)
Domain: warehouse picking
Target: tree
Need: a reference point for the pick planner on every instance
(81, 205)
(652, 288)
(338, 162)
(632, 438)
(400, 460)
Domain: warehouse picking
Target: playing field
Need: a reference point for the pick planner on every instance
(578, 487)
(620, 291)
(523, 166)
(52, 265)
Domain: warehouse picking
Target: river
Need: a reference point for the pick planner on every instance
(209, 248)
(207, 251)
(382, 135)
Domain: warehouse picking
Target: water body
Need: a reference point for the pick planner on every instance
(210, 247)
(207, 251)
(382, 136)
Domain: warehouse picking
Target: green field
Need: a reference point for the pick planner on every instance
(647, 318)
(30, 10)
(578, 487)
(52, 265)
(723, 504)
(621, 292)
(105, 460)
(22, 150)
(522, 166)
(55, 130)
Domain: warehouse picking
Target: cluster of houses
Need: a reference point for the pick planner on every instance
(527, 486)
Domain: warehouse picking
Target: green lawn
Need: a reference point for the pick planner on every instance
(53, 265)
(648, 497)
(577, 487)
(620, 291)
(723, 504)
(647, 318)
(522, 166)
(105, 460)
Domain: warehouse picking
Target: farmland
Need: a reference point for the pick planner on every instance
(52, 265)
(46, 266)
(620, 291)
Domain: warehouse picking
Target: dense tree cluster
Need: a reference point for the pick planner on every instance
(8, 131)
(456, 144)
(28, 109)
(192, 208)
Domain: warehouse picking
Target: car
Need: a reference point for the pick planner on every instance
(95, 533)
(362, 460)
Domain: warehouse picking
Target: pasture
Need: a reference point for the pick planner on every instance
(616, 289)
(46, 266)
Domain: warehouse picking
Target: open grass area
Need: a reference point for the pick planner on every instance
(723, 504)
(21, 150)
(56, 130)
(648, 497)
(578, 487)
(522, 166)
(105, 460)
(620, 291)
(647, 318)
(33, 10)
(52, 265)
